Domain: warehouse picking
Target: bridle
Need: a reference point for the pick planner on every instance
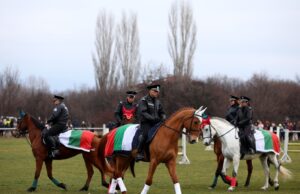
(183, 120)
(216, 136)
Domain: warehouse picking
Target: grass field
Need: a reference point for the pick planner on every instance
(17, 170)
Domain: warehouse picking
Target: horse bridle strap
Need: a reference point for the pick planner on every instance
(210, 125)
(183, 132)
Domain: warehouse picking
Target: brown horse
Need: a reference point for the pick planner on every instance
(162, 149)
(29, 124)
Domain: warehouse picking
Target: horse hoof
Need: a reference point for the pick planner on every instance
(211, 187)
(276, 188)
(84, 188)
(31, 189)
(271, 182)
(264, 188)
(231, 189)
(63, 186)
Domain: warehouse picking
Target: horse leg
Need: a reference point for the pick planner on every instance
(273, 160)
(49, 173)
(227, 179)
(152, 167)
(220, 160)
(120, 167)
(171, 165)
(90, 172)
(249, 168)
(264, 163)
(236, 163)
(38, 168)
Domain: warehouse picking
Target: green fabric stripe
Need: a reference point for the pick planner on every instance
(74, 139)
(268, 139)
(119, 137)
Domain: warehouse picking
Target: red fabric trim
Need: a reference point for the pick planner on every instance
(233, 182)
(276, 143)
(109, 147)
(86, 140)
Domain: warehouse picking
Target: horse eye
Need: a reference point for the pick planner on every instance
(196, 122)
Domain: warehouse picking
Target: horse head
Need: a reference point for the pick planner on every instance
(22, 124)
(192, 125)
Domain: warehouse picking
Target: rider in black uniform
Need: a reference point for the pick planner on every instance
(58, 121)
(232, 110)
(150, 112)
(244, 123)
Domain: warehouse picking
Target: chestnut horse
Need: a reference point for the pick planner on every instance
(29, 124)
(162, 149)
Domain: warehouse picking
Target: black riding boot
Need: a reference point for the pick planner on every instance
(52, 147)
(140, 155)
(251, 144)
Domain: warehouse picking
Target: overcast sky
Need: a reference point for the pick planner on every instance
(55, 39)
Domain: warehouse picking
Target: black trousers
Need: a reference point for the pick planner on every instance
(48, 135)
(246, 138)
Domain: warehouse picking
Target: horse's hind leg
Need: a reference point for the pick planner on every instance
(250, 169)
(263, 159)
(120, 167)
(38, 168)
(90, 172)
(49, 173)
(273, 160)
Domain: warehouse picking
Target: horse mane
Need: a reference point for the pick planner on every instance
(223, 120)
(174, 113)
(37, 123)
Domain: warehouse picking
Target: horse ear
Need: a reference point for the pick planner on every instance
(202, 111)
(21, 113)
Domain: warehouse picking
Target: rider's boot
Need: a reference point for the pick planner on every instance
(251, 144)
(53, 150)
(140, 155)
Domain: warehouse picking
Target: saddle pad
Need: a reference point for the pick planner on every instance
(120, 140)
(77, 139)
(266, 141)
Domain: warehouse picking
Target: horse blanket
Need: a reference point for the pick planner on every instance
(266, 141)
(77, 139)
(124, 139)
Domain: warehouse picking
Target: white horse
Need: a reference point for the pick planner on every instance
(228, 134)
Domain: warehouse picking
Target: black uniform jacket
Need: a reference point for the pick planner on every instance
(60, 115)
(150, 110)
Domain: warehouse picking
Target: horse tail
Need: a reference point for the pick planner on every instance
(132, 163)
(286, 173)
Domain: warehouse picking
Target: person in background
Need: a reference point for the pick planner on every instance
(232, 110)
(126, 111)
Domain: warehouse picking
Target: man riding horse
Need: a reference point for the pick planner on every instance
(58, 121)
(126, 111)
(232, 110)
(244, 123)
(150, 112)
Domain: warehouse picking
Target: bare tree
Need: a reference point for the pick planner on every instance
(182, 39)
(128, 49)
(9, 91)
(105, 59)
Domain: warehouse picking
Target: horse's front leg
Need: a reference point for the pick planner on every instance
(49, 173)
(120, 167)
(152, 167)
(171, 165)
(90, 172)
(236, 163)
(38, 168)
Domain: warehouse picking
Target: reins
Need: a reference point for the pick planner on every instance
(180, 131)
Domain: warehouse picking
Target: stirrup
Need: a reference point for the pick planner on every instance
(139, 157)
(53, 153)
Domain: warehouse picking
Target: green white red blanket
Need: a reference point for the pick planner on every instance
(77, 139)
(121, 139)
(266, 141)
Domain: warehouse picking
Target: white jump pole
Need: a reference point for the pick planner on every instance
(184, 158)
(286, 158)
